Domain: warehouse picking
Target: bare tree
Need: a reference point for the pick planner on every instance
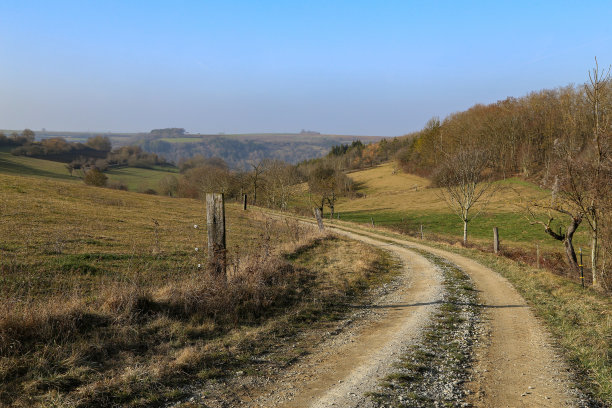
(575, 219)
(581, 162)
(258, 169)
(465, 187)
(280, 183)
(327, 184)
(598, 172)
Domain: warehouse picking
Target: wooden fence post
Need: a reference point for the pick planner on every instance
(538, 256)
(421, 231)
(495, 240)
(372, 221)
(317, 213)
(244, 202)
(215, 226)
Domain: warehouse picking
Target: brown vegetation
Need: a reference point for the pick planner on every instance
(109, 304)
(560, 138)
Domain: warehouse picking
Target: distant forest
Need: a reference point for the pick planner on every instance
(239, 150)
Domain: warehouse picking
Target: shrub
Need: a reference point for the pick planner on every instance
(95, 177)
(117, 185)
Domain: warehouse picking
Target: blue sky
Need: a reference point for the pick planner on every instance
(350, 67)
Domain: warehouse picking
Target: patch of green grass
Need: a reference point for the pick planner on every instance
(514, 229)
(140, 179)
(28, 166)
(136, 179)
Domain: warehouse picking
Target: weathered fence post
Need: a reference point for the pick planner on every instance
(215, 226)
(581, 268)
(421, 231)
(372, 221)
(317, 213)
(538, 256)
(338, 215)
(244, 202)
(495, 240)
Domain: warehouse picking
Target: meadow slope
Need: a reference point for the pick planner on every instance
(406, 201)
(105, 299)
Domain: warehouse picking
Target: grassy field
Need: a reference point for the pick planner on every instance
(136, 179)
(406, 202)
(105, 301)
(194, 139)
(27, 166)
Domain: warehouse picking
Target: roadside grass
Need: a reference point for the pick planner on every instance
(102, 302)
(579, 319)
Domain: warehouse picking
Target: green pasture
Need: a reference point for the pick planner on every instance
(28, 166)
(140, 179)
(513, 227)
(135, 178)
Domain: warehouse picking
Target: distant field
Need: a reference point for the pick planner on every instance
(140, 179)
(135, 178)
(393, 198)
(182, 139)
(27, 166)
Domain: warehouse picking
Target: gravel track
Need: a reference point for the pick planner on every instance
(516, 362)
(353, 362)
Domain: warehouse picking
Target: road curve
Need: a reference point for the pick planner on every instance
(516, 364)
(352, 363)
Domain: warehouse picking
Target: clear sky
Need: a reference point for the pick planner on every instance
(350, 67)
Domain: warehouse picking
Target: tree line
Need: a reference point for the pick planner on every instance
(96, 153)
(560, 139)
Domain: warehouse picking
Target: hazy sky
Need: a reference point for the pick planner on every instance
(351, 67)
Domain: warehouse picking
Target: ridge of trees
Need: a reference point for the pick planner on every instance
(559, 138)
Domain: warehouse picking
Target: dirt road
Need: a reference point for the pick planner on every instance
(516, 365)
(351, 363)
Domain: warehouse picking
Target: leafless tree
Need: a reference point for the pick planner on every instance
(597, 161)
(466, 188)
(582, 165)
(327, 184)
(258, 170)
(280, 183)
(574, 220)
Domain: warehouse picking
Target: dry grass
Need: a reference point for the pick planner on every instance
(386, 189)
(404, 202)
(102, 302)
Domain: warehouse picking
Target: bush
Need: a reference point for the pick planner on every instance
(117, 185)
(95, 177)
